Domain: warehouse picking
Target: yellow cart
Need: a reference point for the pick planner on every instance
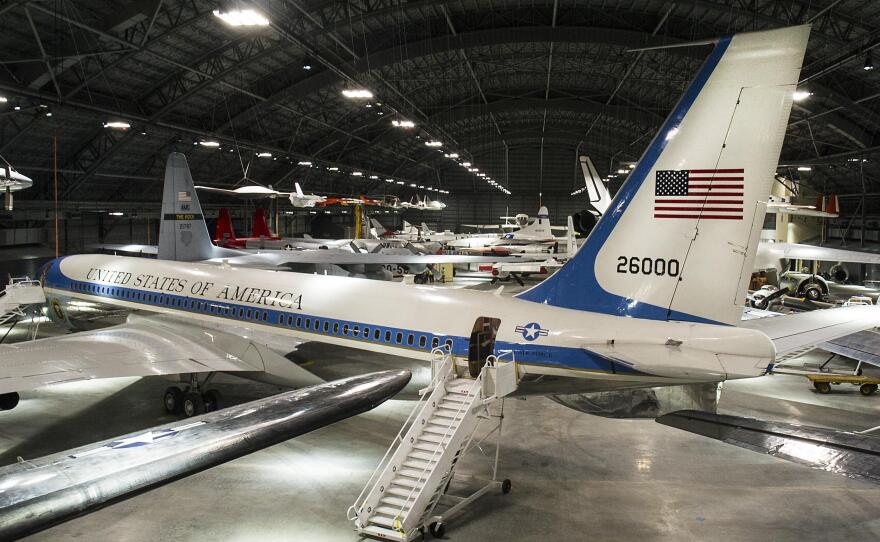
(822, 382)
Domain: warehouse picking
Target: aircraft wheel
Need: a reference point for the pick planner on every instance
(868, 389)
(822, 387)
(437, 529)
(193, 405)
(506, 485)
(173, 400)
(213, 400)
(813, 292)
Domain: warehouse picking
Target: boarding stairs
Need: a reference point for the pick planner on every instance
(19, 293)
(399, 500)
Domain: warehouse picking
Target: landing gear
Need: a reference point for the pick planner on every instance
(173, 400)
(192, 401)
(193, 404)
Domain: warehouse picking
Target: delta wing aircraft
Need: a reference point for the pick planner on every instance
(251, 191)
(632, 309)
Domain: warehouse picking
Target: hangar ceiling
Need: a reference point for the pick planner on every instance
(542, 81)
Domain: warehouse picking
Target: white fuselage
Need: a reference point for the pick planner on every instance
(410, 320)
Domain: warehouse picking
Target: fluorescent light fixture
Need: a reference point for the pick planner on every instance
(117, 125)
(334, 168)
(48, 113)
(374, 176)
(869, 62)
(213, 144)
(304, 163)
(400, 182)
(389, 180)
(241, 17)
(307, 66)
(3, 99)
(465, 164)
(17, 108)
(116, 213)
(356, 174)
(433, 143)
(805, 168)
(358, 93)
(621, 171)
(631, 166)
(403, 123)
(421, 186)
(451, 155)
(412, 185)
(264, 154)
(801, 95)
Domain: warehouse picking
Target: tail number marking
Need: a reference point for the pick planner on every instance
(635, 265)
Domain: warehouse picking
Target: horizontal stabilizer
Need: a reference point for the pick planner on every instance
(855, 455)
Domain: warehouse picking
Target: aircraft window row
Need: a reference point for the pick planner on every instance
(314, 324)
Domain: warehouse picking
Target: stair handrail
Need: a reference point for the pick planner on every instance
(436, 377)
(472, 392)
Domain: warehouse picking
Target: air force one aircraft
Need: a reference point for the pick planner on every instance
(632, 309)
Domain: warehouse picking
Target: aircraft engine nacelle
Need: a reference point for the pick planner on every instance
(645, 402)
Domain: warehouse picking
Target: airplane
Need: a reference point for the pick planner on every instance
(224, 233)
(297, 198)
(12, 181)
(534, 238)
(423, 204)
(632, 309)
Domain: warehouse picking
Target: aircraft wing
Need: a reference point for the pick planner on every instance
(144, 346)
(128, 249)
(481, 226)
(280, 258)
(798, 251)
(851, 454)
(862, 346)
(793, 334)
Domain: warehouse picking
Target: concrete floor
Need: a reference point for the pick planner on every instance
(575, 476)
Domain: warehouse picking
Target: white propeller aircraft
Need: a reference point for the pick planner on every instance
(632, 309)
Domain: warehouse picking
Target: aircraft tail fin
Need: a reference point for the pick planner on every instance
(540, 227)
(680, 237)
(380, 229)
(183, 234)
(260, 226)
(597, 191)
(299, 190)
(224, 231)
(570, 239)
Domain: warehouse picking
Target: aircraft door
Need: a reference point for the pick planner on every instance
(482, 343)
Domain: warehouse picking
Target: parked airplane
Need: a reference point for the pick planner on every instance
(12, 181)
(534, 238)
(632, 309)
(224, 233)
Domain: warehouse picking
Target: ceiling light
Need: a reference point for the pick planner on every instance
(389, 180)
(451, 155)
(307, 66)
(869, 62)
(400, 182)
(3, 100)
(48, 113)
(433, 143)
(374, 176)
(334, 168)
(241, 17)
(621, 171)
(17, 108)
(264, 154)
(212, 144)
(465, 164)
(801, 95)
(356, 174)
(805, 168)
(304, 163)
(360, 93)
(117, 125)
(403, 124)
(116, 213)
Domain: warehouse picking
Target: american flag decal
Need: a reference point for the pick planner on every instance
(710, 194)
